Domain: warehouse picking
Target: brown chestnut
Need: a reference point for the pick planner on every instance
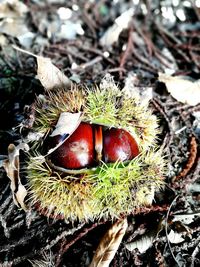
(77, 151)
(89, 144)
(118, 144)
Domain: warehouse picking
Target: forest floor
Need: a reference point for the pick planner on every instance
(137, 40)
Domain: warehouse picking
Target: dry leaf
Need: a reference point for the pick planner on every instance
(109, 244)
(12, 9)
(175, 237)
(142, 244)
(67, 123)
(69, 30)
(48, 74)
(121, 23)
(16, 28)
(186, 218)
(11, 166)
(196, 124)
(13, 16)
(183, 90)
(132, 89)
(195, 187)
(145, 241)
(170, 60)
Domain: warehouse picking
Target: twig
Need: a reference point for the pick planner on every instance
(145, 38)
(160, 108)
(166, 231)
(127, 53)
(164, 32)
(66, 51)
(66, 245)
(146, 210)
(89, 63)
(115, 70)
(195, 58)
(4, 191)
(194, 176)
(143, 60)
(188, 166)
(6, 204)
(63, 235)
(97, 52)
(89, 22)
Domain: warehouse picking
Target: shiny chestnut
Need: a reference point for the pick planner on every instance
(77, 151)
(118, 144)
(90, 144)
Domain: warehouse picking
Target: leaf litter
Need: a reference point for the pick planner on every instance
(48, 74)
(135, 63)
(12, 168)
(182, 89)
(109, 244)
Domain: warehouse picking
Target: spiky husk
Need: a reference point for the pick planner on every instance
(106, 191)
(106, 106)
(48, 108)
(110, 189)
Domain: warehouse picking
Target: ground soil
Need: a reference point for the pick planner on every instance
(148, 45)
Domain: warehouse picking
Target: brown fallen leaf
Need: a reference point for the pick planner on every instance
(11, 166)
(109, 244)
(182, 89)
(48, 74)
(112, 34)
(175, 237)
(142, 244)
(132, 90)
(12, 9)
(67, 123)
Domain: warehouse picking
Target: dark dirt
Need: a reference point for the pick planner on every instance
(26, 237)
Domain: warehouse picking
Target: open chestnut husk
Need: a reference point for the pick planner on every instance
(108, 166)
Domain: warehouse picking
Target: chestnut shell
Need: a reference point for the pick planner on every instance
(77, 151)
(118, 144)
(82, 148)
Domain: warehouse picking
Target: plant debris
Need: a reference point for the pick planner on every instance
(109, 244)
(151, 49)
(12, 168)
(182, 89)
